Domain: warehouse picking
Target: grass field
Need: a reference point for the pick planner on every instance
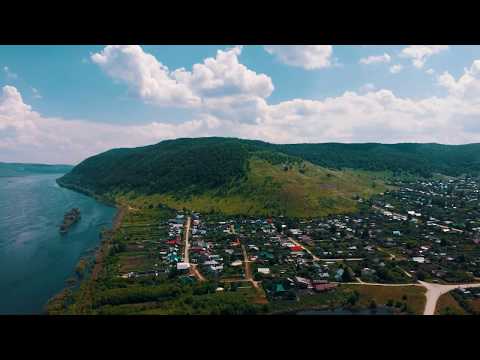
(412, 296)
(447, 305)
(304, 190)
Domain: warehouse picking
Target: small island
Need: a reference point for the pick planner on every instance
(70, 218)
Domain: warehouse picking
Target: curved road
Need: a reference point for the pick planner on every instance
(433, 293)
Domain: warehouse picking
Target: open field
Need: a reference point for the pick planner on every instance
(447, 305)
(412, 296)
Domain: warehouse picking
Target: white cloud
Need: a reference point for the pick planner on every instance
(309, 57)
(376, 59)
(25, 135)
(224, 75)
(368, 115)
(9, 74)
(395, 69)
(467, 86)
(217, 77)
(419, 54)
(147, 77)
(430, 71)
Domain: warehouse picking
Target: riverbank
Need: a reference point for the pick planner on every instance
(58, 303)
(36, 261)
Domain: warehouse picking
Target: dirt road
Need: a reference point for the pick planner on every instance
(248, 269)
(187, 244)
(434, 291)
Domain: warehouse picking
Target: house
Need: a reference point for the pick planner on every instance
(296, 248)
(323, 287)
(303, 282)
(265, 271)
(339, 274)
(419, 259)
(183, 266)
(278, 288)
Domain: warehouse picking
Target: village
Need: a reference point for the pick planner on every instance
(418, 231)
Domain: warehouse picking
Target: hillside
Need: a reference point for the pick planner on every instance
(218, 174)
(16, 169)
(416, 159)
(237, 176)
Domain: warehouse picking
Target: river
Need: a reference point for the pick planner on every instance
(35, 260)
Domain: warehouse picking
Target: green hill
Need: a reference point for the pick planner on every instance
(416, 159)
(237, 176)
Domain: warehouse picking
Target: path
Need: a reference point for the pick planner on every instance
(187, 245)
(194, 271)
(248, 270)
(316, 258)
(186, 252)
(434, 291)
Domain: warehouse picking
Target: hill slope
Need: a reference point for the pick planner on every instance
(253, 177)
(219, 174)
(417, 159)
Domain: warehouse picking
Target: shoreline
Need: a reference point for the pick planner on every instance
(98, 255)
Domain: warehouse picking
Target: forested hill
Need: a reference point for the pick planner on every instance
(252, 177)
(416, 159)
(182, 166)
(18, 169)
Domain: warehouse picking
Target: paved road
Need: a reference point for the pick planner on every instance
(434, 291)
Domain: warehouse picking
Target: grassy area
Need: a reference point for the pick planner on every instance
(413, 297)
(303, 190)
(447, 305)
(322, 301)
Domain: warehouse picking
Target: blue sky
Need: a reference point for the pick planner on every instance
(278, 93)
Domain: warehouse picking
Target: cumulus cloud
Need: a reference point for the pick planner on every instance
(309, 57)
(217, 77)
(25, 135)
(419, 54)
(376, 59)
(467, 86)
(145, 75)
(395, 69)
(243, 111)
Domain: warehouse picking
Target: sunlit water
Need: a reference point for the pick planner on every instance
(35, 260)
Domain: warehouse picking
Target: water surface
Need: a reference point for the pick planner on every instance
(35, 260)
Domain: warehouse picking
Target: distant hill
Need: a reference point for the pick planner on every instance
(416, 159)
(237, 176)
(18, 169)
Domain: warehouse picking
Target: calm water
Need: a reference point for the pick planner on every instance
(35, 260)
